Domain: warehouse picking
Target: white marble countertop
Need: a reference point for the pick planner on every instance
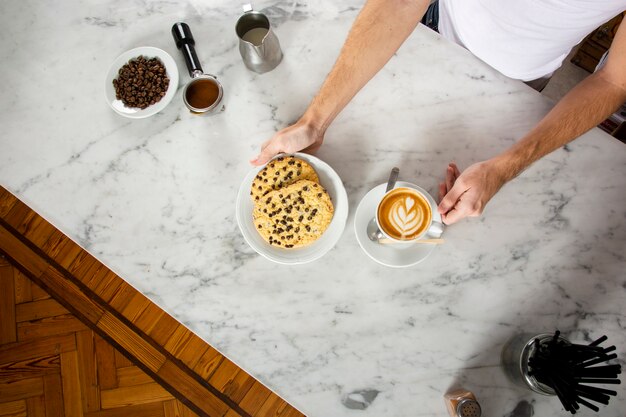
(154, 200)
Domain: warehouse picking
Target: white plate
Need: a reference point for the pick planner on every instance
(389, 255)
(148, 52)
(331, 182)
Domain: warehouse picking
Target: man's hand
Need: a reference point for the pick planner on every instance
(298, 137)
(377, 33)
(466, 194)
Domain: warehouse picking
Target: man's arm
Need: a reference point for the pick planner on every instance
(589, 103)
(377, 33)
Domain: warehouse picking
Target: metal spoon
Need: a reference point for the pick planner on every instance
(373, 232)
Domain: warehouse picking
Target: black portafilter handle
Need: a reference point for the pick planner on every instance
(185, 42)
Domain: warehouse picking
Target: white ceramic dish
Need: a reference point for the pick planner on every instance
(148, 52)
(331, 182)
(388, 254)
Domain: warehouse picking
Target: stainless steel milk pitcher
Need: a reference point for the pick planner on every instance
(258, 44)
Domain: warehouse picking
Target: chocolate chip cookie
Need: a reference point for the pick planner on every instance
(281, 172)
(293, 216)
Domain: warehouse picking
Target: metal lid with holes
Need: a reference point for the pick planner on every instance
(468, 408)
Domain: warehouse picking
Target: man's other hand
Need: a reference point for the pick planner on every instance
(466, 194)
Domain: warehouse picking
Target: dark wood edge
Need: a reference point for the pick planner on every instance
(106, 307)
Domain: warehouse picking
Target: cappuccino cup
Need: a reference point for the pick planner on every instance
(405, 215)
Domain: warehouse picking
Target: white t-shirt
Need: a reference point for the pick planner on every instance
(523, 39)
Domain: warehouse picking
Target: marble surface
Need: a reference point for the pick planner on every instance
(154, 200)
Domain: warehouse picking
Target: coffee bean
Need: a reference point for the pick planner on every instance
(136, 85)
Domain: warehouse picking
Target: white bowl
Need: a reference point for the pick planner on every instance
(331, 182)
(148, 52)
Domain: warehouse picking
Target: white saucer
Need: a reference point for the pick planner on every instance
(331, 182)
(134, 112)
(387, 254)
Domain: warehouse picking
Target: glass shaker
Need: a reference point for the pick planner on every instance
(462, 403)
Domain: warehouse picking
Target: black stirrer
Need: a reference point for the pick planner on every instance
(587, 404)
(598, 340)
(565, 366)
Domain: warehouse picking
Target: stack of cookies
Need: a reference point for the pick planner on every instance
(291, 208)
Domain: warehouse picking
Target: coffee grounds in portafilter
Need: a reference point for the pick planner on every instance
(202, 94)
(141, 82)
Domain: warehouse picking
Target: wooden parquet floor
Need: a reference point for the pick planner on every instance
(77, 340)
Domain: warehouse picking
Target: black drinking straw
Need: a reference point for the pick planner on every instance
(598, 340)
(587, 404)
(596, 361)
(589, 388)
(598, 380)
(599, 398)
(609, 371)
(565, 366)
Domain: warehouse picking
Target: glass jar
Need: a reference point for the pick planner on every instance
(514, 360)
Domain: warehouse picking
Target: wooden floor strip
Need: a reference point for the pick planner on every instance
(72, 393)
(13, 408)
(8, 330)
(85, 342)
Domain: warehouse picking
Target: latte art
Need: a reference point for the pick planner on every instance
(404, 214)
(405, 217)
